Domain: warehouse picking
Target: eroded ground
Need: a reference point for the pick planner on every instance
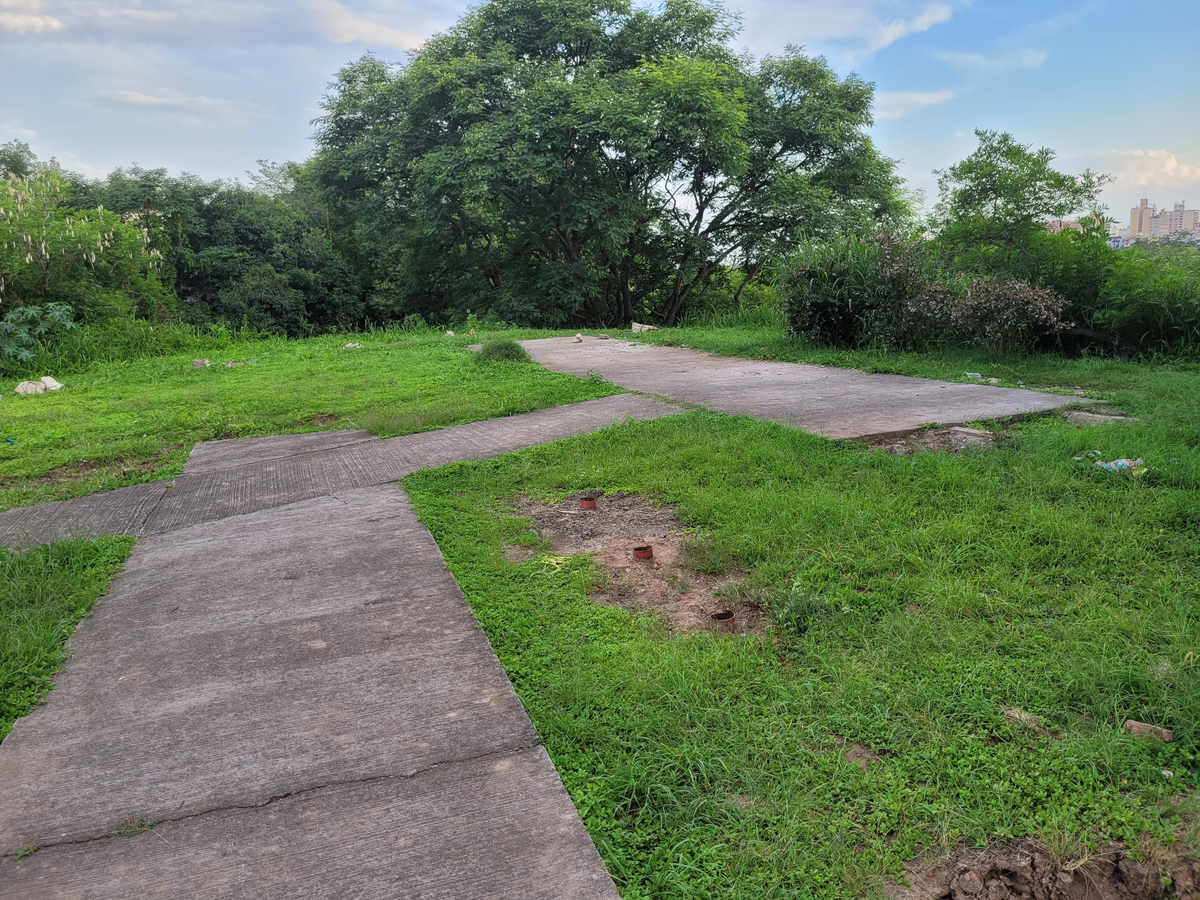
(685, 583)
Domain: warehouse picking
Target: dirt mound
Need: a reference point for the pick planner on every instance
(669, 584)
(1025, 872)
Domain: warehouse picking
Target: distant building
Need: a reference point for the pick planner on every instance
(1146, 221)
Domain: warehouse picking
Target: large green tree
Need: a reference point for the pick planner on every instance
(551, 161)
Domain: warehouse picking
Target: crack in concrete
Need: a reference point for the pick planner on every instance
(142, 825)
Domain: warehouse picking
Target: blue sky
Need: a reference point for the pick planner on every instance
(211, 87)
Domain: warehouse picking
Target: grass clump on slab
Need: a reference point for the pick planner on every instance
(503, 350)
(44, 593)
(123, 423)
(929, 607)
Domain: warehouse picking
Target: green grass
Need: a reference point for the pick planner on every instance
(121, 423)
(917, 598)
(43, 595)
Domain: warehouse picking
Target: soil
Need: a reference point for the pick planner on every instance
(683, 597)
(946, 440)
(1023, 871)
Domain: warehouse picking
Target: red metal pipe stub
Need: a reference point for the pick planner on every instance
(725, 620)
(644, 552)
(587, 502)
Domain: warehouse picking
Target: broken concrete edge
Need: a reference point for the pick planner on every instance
(989, 425)
(132, 825)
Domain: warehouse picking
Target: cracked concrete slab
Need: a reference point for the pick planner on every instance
(319, 654)
(837, 403)
(500, 827)
(209, 456)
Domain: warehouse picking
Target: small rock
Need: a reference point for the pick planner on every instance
(231, 365)
(993, 381)
(50, 383)
(1167, 774)
(30, 387)
(602, 337)
(970, 437)
(1163, 734)
(578, 339)
(200, 364)
(356, 346)
(449, 334)
(969, 884)
(638, 327)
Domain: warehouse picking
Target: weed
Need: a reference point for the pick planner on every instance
(502, 350)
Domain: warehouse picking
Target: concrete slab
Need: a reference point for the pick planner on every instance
(228, 480)
(838, 403)
(209, 456)
(499, 827)
(253, 658)
(122, 511)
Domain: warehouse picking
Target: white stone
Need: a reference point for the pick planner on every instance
(638, 326)
(200, 363)
(50, 383)
(30, 387)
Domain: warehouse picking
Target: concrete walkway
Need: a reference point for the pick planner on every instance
(838, 403)
(288, 681)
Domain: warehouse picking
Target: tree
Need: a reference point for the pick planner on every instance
(1004, 193)
(551, 161)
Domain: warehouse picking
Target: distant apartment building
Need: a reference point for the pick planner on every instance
(1146, 221)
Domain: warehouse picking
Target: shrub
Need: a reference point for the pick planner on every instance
(26, 329)
(502, 350)
(1006, 316)
(1151, 299)
(832, 290)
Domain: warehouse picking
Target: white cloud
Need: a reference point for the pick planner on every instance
(18, 133)
(25, 17)
(343, 26)
(1018, 59)
(1150, 167)
(196, 108)
(897, 104)
(852, 31)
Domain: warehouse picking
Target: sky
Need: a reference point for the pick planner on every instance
(212, 87)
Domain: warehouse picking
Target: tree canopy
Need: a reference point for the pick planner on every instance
(551, 161)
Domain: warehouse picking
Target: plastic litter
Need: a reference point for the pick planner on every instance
(975, 376)
(1136, 466)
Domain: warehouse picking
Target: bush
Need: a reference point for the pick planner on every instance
(1006, 316)
(1151, 299)
(886, 294)
(26, 329)
(503, 350)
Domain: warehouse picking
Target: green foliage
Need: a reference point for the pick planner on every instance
(25, 329)
(885, 293)
(1005, 192)
(43, 594)
(1151, 299)
(552, 162)
(90, 260)
(502, 350)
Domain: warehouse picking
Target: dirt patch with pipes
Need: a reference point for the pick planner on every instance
(1024, 871)
(688, 580)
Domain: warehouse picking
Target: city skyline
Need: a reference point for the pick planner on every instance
(211, 88)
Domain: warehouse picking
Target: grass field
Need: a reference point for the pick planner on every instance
(982, 623)
(123, 423)
(916, 600)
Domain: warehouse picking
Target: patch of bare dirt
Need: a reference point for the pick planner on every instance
(858, 754)
(1023, 871)
(90, 468)
(684, 598)
(944, 440)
